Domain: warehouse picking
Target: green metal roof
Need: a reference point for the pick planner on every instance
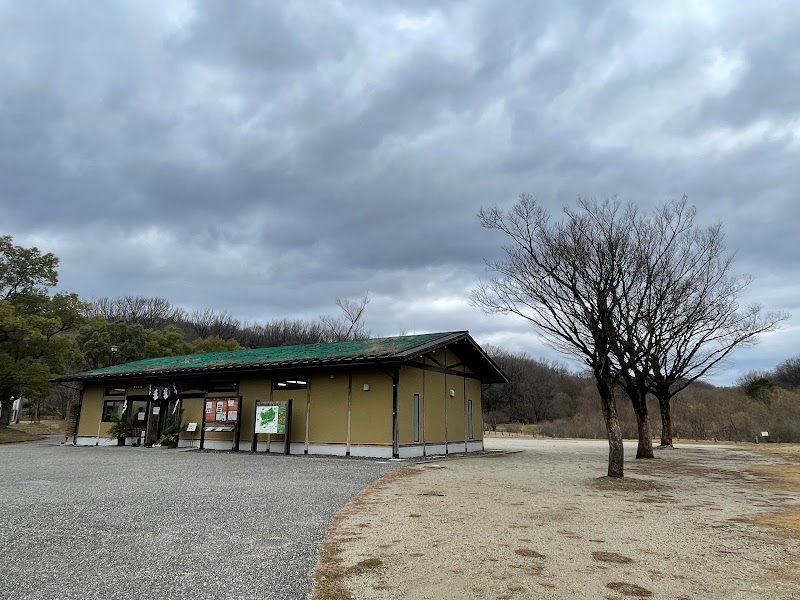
(389, 349)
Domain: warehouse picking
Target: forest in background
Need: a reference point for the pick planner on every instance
(557, 400)
(562, 403)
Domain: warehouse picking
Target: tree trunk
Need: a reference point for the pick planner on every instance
(638, 396)
(5, 414)
(616, 451)
(645, 448)
(666, 420)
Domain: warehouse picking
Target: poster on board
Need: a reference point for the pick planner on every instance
(271, 419)
(221, 410)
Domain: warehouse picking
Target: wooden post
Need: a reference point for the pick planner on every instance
(287, 438)
(237, 432)
(422, 409)
(254, 442)
(395, 420)
(446, 402)
(349, 407)
(269, 435)
(203, 424)
(308, 413)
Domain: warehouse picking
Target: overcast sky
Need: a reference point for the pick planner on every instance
(265, 158)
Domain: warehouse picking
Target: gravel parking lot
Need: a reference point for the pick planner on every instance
(86, 522)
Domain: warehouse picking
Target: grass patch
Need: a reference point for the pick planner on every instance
(784, 477)
(9, 435)
(330, 576)
(527, 552)
(790, 452)
(364, 566)
(611, 557)
(29, 432)
(629, 589)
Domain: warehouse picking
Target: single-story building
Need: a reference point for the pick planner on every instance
(405, 396)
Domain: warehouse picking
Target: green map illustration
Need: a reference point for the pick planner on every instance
(267, 417)
(270, 419)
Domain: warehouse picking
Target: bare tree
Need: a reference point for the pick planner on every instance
(150, 313)
(787, 373)
(349, 325)
(281, 332)
(693, 321)
(564, 278)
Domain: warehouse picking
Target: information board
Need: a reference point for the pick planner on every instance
(271, 419)
(221, 410)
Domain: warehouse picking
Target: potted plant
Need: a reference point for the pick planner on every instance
(120, 430)
(169, 437)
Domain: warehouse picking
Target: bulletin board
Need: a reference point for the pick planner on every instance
(222, 415)
(221, 411)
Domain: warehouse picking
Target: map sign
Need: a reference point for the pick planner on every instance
(271, 419)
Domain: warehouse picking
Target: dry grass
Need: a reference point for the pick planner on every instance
(12, 434)
(527, 552)
(790, 452)
(629, 589)
(784, 477)
(364, 566)
(329, 579)
(28, 432)
(611, 557)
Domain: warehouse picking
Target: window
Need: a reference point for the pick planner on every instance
(112, 409)
(115, 391)
(222, 386)
(290, 384)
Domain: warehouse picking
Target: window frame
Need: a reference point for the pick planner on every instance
(289, 383)
(103, 417)
(223, 387)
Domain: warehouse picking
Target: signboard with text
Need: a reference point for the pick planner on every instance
(221, 410)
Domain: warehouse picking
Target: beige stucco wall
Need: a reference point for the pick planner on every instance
(371, 418)
(442, 417)
(474, 394)
(91, 411)
(411, 382)
(328, 422)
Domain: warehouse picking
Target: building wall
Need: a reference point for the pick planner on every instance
(442, 416)
(91, 412)
(371, 412)
(320, 413)
(329, 400)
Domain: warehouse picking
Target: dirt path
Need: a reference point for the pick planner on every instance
(542, 523)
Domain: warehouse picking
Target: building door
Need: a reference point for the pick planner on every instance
(415, 418)
(470, 430)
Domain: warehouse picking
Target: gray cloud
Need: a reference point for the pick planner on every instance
(265, 158)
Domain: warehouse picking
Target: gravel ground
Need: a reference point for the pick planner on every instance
(87, 522)
(544, 523)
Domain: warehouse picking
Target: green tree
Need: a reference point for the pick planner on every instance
(211, 344)
(33, 347)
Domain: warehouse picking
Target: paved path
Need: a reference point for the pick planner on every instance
(87, 522)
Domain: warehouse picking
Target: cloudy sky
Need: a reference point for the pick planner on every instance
(265, 158)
